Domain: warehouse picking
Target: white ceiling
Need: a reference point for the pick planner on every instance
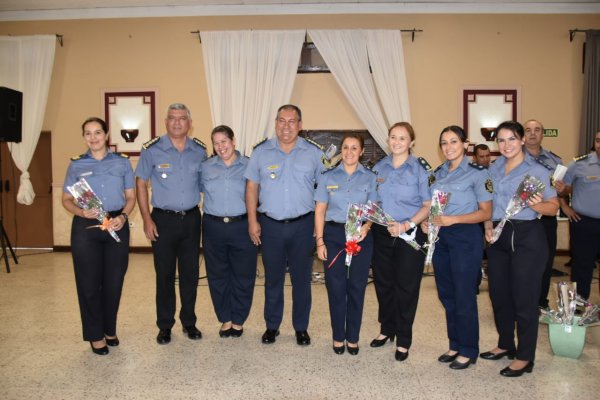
(15, 10)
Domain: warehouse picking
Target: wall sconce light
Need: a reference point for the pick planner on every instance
(129, 134)
(488, 133)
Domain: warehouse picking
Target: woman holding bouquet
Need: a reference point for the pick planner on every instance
(459, 249)
(517, 258)
(403, 192)
(99, 261)
(230, 254)
(337, 188)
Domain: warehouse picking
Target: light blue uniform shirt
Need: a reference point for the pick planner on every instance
(506, 186)
(175, 176)
(287, 181)
(339, 190)
(224, 187)
(402, 190)
(583, 176)
(108, 177)
(469, 184)
(548, 158)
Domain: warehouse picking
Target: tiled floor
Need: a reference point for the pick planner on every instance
(42, 355)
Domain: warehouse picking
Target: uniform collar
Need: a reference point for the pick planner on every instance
(220, 161)
(274, 143)
(464, 164)
(88, 154)
(359, 168)
(593, 157)
(411, 161)
(166, 144)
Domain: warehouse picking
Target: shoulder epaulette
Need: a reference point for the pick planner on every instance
(317, 145)
(477, 166)
(554, 154)
(199, 142)
(259, 143)
(151, 142)
(75, 158)
(544, 163)
(424, 164)
(580, 158)
(122, 155)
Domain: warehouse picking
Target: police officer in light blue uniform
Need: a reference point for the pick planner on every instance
(518, 258)
(348, 183)
(229, 253)
(459, 249)
(583, 182)
(99, 261)
(282, 174)
(173, 163)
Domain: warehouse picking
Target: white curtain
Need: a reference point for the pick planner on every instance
(26, 64)
(380, 99)
(249, 75)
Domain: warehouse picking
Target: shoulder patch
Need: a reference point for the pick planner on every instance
(122, 155)
(544, 163)
(259, 143)
(199, 142)
(75, 158)
(431, 179)
(489, 185)
(424, 164)
(151, 142)
(317, 145)
(580, 158)
(477, 166)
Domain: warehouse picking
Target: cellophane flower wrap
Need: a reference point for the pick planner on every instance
(439, 200)
(567, 301)
(88, 200)
(529, 187)
(374, 213)
(354, 220)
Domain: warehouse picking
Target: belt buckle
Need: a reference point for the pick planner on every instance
(226, 220)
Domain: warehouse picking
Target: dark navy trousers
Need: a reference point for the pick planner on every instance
(585, 247)
(457, 262)
(550, 225)
(346, 285)
(291, 244)
(100, 264)
(230, 267)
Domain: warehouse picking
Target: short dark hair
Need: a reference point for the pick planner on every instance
(512, 126)
(480, 146)
(292, 108)
(94, 119)
(456, 129)
(354, 135)
(223, 129)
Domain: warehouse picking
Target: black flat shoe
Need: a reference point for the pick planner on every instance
(462, 365)
(339, 350)
(102, 351)
(192, 332)
(164, 336)
(446, 358)
(488, 355)
(236, 332)
(401, 355)
(302, 338)
(225, 333)
(380, 342)
(513, 373)
(352, 350)
(269, 336)
(112, 342)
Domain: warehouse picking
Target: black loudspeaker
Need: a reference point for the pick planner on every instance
(11, 106)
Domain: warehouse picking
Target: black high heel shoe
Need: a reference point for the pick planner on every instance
(380, 342)
(112, 342)
(513, 373)
(401, 355)
(236, 332)
(339, 350)
(102, 351)
(352, 350)
(462, 365)
(488, 355)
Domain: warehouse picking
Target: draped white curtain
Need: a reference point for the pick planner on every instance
(249, 75)
(380, 99)
(26, 64)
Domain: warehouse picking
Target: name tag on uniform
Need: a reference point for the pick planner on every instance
(380, 180)
(589, 178)
(272, 168)
(332, 187)
(164, 166)
(86, 173)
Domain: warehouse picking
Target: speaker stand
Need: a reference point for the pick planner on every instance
(6, 244)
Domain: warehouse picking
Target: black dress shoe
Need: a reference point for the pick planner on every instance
(192, 332)
(462, 365)
(381, 342)
(236, 332)
(102, 351)
(446, 358)
(164, 336)
(352, 350)
(269, 336)
(513, 373)
(339, 350)
(302, 338)
(401, 355)
(225, 333)
(488, 355)
(112, 342)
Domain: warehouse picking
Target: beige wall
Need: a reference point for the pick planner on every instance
(529, 51)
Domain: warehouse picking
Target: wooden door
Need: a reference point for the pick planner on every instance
(28, 226)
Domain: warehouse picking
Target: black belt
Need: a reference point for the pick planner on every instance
(287, 221)
(336, 224)
(548, 217)
(173, 212)
(115, 213)
(227, 220)
(515, 221)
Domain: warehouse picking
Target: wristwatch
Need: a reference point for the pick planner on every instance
(412, 224)
(125, 215)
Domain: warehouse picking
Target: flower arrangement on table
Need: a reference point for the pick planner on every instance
(439, 201)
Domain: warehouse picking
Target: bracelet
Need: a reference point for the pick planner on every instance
(318, 238)
(321, 245)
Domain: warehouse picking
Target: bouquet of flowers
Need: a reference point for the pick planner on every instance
(529, 187)
(88, 200)
(354, 220)
(373, 212)
(439, 200)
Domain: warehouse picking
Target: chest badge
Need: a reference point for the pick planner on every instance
(163, 175)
